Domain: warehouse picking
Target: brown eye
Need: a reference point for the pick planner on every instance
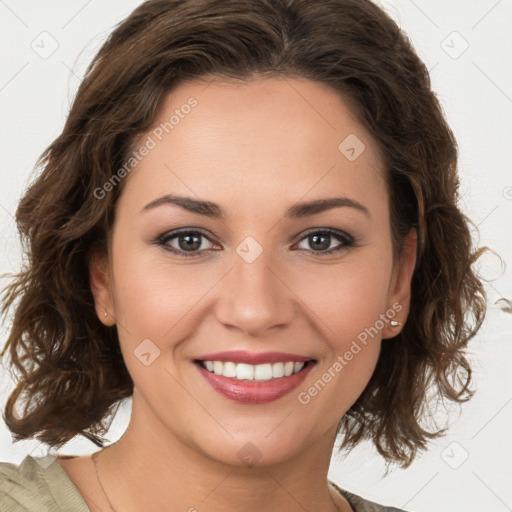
(184, 243)
(190, 242)
(319, 241)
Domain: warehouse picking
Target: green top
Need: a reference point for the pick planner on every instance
(37, 485)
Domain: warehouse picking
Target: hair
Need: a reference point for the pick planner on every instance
(70, 374)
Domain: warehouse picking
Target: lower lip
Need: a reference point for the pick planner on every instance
(254, 392)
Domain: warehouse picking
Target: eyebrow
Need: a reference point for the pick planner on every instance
(297, 211)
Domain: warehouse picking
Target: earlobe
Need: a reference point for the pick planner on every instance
(99, 280)
(400, 289)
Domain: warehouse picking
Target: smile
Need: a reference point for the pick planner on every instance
(254, 378)
(259, 372)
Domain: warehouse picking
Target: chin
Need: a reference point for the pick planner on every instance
(255, 447)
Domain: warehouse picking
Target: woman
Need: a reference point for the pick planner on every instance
(249, 225)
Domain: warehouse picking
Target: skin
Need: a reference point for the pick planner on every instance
(255, 149)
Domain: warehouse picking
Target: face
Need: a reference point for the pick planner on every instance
(256, 317)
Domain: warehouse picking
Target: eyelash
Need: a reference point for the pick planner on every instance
(346, 240)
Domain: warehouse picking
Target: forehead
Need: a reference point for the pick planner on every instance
(277, 137)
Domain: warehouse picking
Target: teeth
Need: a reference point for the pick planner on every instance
(263, 372)
(289, 368)
(229, 369)
(297, 367)
(218, 367)
(244, 371)
(278, 369)
(259, 372)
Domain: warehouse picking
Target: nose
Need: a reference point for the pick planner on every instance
(254, 298)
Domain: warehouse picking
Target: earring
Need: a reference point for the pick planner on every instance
(394, 323)
(106, 314)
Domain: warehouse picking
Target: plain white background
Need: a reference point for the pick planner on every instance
(467, 47)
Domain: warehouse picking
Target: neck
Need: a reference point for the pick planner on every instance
(150, 468)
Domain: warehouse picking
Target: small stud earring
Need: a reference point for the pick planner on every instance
(394, 323)
(106, 314)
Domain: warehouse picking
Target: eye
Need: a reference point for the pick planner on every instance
(320, 240)
(184, 243)
(189, 242)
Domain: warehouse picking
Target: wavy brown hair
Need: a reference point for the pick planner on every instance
(68, 366)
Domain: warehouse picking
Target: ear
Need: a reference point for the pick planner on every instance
(399, 298)
(101, 289)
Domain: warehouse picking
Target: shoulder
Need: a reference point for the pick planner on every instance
(359, 504)
(38, 484)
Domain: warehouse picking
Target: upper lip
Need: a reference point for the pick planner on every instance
(242, 356)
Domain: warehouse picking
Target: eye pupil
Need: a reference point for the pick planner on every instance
(193, 242)
(315, 240)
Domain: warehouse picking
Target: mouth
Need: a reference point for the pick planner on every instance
(254, 378)
(251, 372)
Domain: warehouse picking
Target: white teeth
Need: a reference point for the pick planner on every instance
(259, 372)
(244, 371)
(278, 370)
(218, 367)
(229, 369)
(263, 372)
(289, 368)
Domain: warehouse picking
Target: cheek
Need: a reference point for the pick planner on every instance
(154, 301)
(348, 298)
(152, 295)
(349, 305)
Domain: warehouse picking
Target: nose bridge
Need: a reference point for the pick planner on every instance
(253, 298)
